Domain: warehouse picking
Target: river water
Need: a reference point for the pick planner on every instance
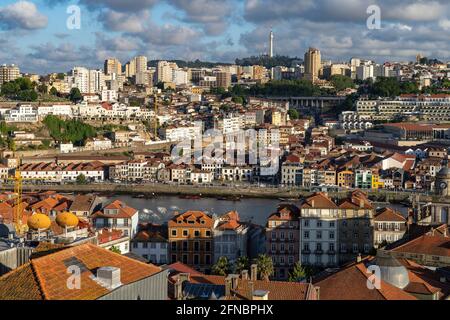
(163, 208)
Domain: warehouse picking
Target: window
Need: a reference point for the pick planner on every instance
(291, 236)
(355, 235)
(185, 245)
(207, 259)
(282, 235)
(331, 246)
(331, 224)
(145, 256)
(185, 233)
(196, 246)
(319, 223)
(174, 233)
(145, 245)
(174, 246)
(274, 235)
(282, 247)
(319, 234)
(306, 234)
(196, 259)
(208, 233)
(135, 244)
(291, 259)
(355, 248)
(306, 223)
(153, 245)
(207, 246)
(153, 258)
(306, 246)
(174, 258)
(185, 258)
(291, 248)
(318, 246)
(331, 234)
(197, 233)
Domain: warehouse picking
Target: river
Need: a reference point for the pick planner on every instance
(163, 208)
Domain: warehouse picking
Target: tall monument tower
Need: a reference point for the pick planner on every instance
(271, 44)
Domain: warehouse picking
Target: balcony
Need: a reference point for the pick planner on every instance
(318, 251)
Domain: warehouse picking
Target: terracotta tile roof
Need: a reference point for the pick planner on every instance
(196, 217)
(427, 244)
(123, 211)
(49, 274)
(278, 290)
(388, 214)
(20, 284)
(350, 283)
(318, 200)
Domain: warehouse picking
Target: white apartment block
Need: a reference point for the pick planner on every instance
(109, 95)
(179, 77)
(53, 172)
(152, 250)
(200, 176)
(136, 170)
(351, 120)
(9, 73)
(181, 133)
(230, 239)
(56, 110)
(22, 113)
(430, 107)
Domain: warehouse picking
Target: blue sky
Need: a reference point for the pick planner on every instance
(35, 35)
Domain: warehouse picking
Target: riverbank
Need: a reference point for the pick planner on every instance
(150, 190)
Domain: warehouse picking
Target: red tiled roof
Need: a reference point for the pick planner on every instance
(427, 244)
(46, 277)
(388, 214)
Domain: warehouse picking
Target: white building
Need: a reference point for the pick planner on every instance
(230, 237)
(109, 95)
(22, 113)
(117, 215)
(151, 244)
(180, 133)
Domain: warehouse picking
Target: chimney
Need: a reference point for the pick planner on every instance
(178, 289)
(227, 287)
(251, 289)
(184, 277)
(244, 274)
(254, 272)
(312, 203)
(359, 258)
(109, 277)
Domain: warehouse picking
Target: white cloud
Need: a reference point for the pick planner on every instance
(22, 15)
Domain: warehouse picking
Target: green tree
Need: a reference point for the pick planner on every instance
(42, 88)
(53, 91)
(298, 273)
(115, 249)
(238, 99)
(242, 263)
(81, 179)
(265, 266)
(293, 114)
(222, 267)
(341, 82)
(75, 95)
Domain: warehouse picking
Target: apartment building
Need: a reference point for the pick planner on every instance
(151, 243)
(53, 172)
(191, 240)
(230, 237)
(119, 216)
(179, 133)
(430, 107)
(282, 239)
(21, 113)
(389, 226)
(9, 73)
(334, 232)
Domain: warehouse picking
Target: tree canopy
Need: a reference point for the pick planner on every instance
(73, 131)
(75, 95)
(21, 89)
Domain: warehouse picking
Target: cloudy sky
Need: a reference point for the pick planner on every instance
(34, 34)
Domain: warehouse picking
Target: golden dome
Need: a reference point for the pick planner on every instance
(39, 221)
(66, 219)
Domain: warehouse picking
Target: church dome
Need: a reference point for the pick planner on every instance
(66, 219)
(39, 221)
(392, 271)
